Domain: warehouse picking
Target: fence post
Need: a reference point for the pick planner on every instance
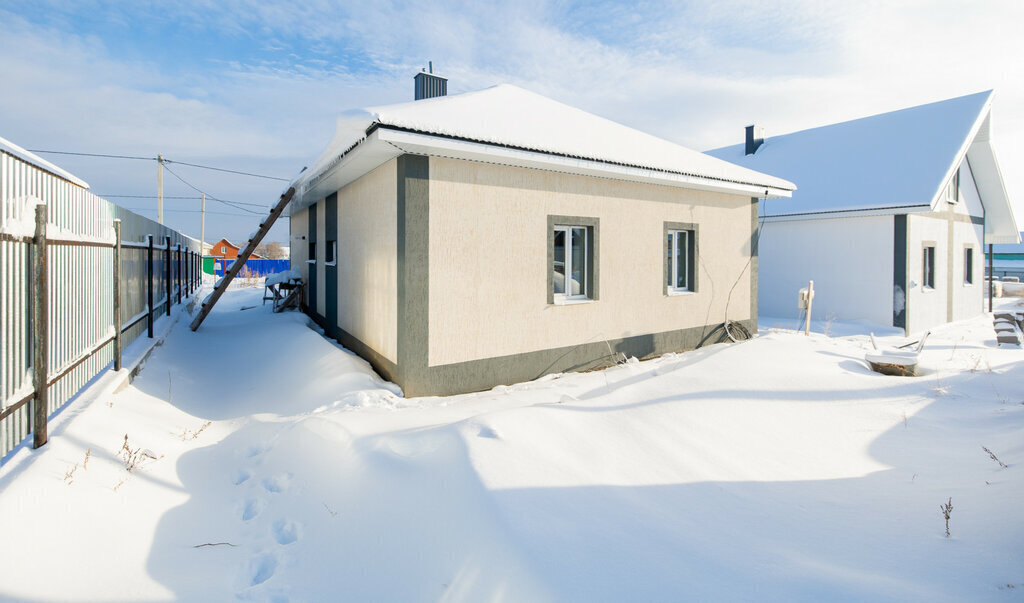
(168, 275)
(117, 295)
(41, 332)
(178, 263)
(149, 287)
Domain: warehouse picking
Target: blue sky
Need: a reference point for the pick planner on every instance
(258, 87)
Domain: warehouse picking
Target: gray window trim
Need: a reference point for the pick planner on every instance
(694, 249)
(593, 226)
(924, 271)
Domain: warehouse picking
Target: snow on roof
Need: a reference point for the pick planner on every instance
(10, 148)
(896, 162)
(512, 118)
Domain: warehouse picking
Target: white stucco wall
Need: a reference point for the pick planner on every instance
(489, 269)
(850, 261)
(926, 306)
(968, 298)
(298, 249)
(368, 260)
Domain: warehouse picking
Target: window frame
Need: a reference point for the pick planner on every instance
(928, 250)
(331, 253)
(953, 188)
(591, 254)
(670, 267)
(968, 265)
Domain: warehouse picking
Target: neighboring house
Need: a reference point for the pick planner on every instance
(226, 250)
(1008, 260)
(890, 218)
(492, 237)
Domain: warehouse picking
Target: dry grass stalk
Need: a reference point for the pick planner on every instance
(947, 509)
(191, 435)
(993, 456)
(133, 458)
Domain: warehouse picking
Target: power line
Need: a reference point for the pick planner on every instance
(207, 167)
(143, 197)
(92, 155)
(211, 197)
(166, 161)
(187, 211)
(260, 205)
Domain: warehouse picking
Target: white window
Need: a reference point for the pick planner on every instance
(223, 248)
(571, 256)
(928, 278)
(953, 189)
(679, 246)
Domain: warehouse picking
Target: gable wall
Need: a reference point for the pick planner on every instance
(952, 227)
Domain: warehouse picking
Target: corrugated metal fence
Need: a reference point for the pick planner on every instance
(157, 265)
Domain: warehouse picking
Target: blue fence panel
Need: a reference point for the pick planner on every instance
(260, 267)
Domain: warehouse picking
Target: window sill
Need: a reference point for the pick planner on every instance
(310, 261)
(678, 292)
(572, 301)
(927, 289)
(330, 263)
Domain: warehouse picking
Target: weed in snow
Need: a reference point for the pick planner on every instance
(993, 456)
(946, 510)
(191, 435)
(134, 458)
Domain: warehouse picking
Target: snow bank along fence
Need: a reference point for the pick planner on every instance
(61, 292)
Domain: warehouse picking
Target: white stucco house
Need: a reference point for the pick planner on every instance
(461, 242)
(890, 217)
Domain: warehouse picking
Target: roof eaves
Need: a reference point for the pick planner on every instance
(377, 125)
(850, 213)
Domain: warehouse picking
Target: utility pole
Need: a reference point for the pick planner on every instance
(160, 188)
(202, 228)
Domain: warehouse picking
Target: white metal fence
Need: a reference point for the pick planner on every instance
(157, 264)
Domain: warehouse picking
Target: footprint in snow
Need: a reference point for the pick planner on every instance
(242, 476)
(253, 452)
(285, 531)
(253, 507)
(278, 483)
(262, 568)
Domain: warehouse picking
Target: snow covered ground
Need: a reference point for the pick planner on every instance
(270, 464)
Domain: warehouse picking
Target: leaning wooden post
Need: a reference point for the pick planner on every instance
(167, 266)
(117, 295)
(149, 288)
(40, 330)
(810, 300)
